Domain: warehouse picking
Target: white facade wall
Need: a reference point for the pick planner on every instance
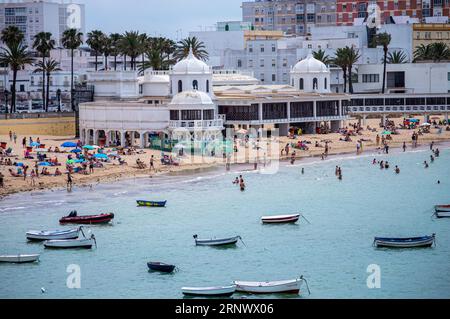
(114, 84)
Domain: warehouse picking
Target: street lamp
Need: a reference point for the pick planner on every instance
(6, 101)
(58, 95)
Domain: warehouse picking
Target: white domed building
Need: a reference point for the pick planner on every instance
(311, 76)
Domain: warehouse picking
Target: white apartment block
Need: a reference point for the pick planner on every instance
(34, 16)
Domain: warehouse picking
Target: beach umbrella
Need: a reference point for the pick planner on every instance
(386, 133)
(100, 156)
(79, 161)
(35, 144)
(44, 164)
(89, 147)
(69, 144)
(71, 161)
(77, 150)
(19, 164)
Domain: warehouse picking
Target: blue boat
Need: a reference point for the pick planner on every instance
(412, 242)
(162, 267)
(145, 203)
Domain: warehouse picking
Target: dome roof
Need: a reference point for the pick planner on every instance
(310, 65)
(191, 97)
(191, 64)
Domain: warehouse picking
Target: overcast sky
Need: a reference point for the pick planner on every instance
(158, 17)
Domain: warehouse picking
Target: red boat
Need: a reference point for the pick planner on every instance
(73, 218)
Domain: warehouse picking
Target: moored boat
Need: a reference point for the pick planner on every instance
(41, 235)
(281, 219)
(442, 214)
(270, 287)
(412, 242)
(442, 208)
(73, 218)
(216, 242)
(19, 259)
(71, 243)
(162, 267)
(224, 291)
(145, 203)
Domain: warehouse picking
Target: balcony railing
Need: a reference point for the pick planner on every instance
(197, 124)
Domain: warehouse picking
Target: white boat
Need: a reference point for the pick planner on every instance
(442, 214)
(19, 259)
(40, 235)
(282, 219)
(71, 243)
(411, 242)
(442, 210)
(270, 287)
(216, 242)
(224, 291)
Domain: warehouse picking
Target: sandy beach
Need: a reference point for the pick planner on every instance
(112, 171)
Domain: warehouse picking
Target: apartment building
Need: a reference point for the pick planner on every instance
(430, 33)
(289, 16)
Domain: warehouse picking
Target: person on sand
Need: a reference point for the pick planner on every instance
(10, 136)
(58, 172)
(15, 137)
(69, 181)
(33, 176)
(2, 183)
(152, 163)
(24, 142)
(378, 140)
(431, 146)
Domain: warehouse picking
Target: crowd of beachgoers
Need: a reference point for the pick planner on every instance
(30, 163)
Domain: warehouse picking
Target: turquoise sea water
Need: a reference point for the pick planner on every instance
(333, 252)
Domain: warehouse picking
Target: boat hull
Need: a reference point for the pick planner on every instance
(217, 242)
(19, 259)
(418, 242)
(209, 291)
(285, 219)
(287, 286)
(88, 220)
(442, 208)
(161, 267)
(52, 235)
(143, 203)
(68, 244)
(443, 214)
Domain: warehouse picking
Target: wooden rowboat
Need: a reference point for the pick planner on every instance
(412, 242)
(87, 220)
(282, 219)
(19, 259)
(41, 235)
(144, 203)
(270, 287)
(86, 243)
(162, 267)
(216, 242)
(442, 208)
(224, 291)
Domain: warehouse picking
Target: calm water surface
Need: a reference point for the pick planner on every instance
(333, 252)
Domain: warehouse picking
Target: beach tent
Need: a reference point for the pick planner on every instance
(89, 147)
(69, 144)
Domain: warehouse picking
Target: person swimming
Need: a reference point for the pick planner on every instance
(236, 181)
(386, 165)
(425, 164)
(431, 158)
(397, 170)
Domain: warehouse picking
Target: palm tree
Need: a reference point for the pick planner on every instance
(48, 67)
(106, 49)
(383, 39)
(352, 56)
(12, 35)
(321, 56)
(341, 61)
(198, 49)
(144, 40)
(440, 52)
(43, 43)
(423, 53)
(115, 47)
(131, 46)
(16, 56)
(397, 57)
(159, 54)
(72, 39)
(95, 41)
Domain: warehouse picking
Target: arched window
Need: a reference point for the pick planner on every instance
(207, 86)
(326, 84)
(301, 84)
(180, 86)
(315, 84)
(195, 85)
